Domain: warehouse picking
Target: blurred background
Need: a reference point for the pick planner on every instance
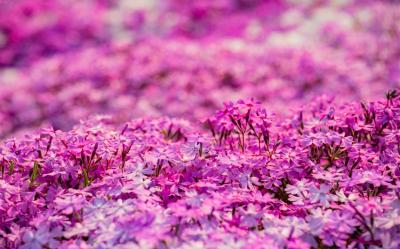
(64, 60)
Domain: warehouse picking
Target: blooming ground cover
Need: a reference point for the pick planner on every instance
(200, 124)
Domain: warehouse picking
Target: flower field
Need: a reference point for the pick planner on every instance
(200, 124)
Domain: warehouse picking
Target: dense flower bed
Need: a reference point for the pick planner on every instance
(199, 124)
(326, 177)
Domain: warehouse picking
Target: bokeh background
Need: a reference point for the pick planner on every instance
(64, 60)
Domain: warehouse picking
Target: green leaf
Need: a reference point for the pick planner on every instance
(35, 173)
(86, 177)
(11, 168)
(2, 170)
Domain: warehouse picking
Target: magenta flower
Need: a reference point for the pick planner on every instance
(199, 124)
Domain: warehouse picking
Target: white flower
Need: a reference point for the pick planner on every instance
(388, 221)
(322, 195)
(298, 192)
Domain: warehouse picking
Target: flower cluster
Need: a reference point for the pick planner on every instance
(183, 59)
(246, 119)
(113, 131)
(332, 181)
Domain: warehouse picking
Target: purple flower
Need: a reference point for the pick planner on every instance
(199, 124)
(43, 236)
